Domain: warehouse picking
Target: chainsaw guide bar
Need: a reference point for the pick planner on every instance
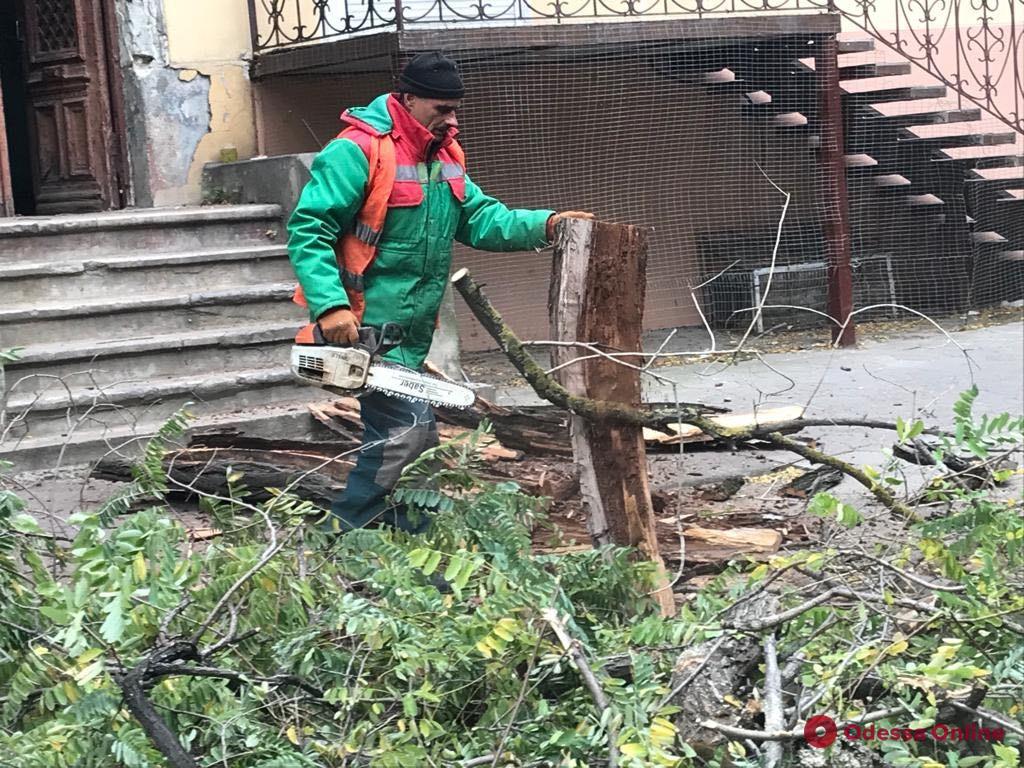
(350, 370)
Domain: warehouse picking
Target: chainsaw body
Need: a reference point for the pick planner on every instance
(338, 369)
(342, 369)
(349, 370)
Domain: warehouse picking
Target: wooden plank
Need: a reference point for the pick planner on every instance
(687, 433)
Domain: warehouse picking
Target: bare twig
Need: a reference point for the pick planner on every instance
(797, 733)
(165, 623)
(575, 651)
(878, 491)
(904, 574)
(773, 713)
(986, 714)
(768, 622)
(775, 252)
(515, 707)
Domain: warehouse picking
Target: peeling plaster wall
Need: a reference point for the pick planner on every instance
(187, 92)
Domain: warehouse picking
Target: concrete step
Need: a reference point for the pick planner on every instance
(924, 201)
(890, 181)
(146, 314)
(860, 163)
(1004, 215)
(278, 422)
(861, 64)
(59, 411)
(1000, 180)
(967, 134)
(153, 230)
(1009, 173)
(103, 363)
(987, 237)
(987, 155)
(854, 42)
(996, 185)
(942, 110)
(789, 120)
(118, 275)
(875, 90)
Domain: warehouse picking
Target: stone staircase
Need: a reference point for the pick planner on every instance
(123, 317)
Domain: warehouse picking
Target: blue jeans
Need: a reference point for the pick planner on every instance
(395, 433)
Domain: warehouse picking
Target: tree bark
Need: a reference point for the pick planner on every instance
(196, 471)
(598, 283)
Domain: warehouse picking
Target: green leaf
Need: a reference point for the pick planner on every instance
(823, 505)
(432, 562)
(1009, 757)
(113, 626)
(89, 672)
(418, 557)
(409, 705)
(455, 566)
(25, 523)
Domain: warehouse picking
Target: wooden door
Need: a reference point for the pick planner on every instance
(69, 108)
(6, 194)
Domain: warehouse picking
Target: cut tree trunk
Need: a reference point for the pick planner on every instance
(599, 275)
(198, 470)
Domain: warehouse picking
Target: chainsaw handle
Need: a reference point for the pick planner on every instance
(376, 341)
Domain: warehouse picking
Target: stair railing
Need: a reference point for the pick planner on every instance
(975, 47)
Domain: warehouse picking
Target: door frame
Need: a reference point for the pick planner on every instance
(115, 144)
(119, 169)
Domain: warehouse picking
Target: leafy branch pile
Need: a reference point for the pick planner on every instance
(277, 645)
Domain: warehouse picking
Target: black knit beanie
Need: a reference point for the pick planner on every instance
(432, 76)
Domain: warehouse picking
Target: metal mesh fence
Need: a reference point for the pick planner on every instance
(710, 135)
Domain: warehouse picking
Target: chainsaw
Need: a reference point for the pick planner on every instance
(349, 370)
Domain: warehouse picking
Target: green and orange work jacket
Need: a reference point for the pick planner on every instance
(384, 250)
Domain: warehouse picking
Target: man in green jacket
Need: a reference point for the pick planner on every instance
(432, 203)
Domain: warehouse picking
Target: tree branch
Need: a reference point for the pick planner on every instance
(818, 457)
(774, 718)
(543, 384)
(602, 410)
(572, 647)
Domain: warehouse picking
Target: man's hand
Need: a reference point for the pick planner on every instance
(554, 218)
(340, 326)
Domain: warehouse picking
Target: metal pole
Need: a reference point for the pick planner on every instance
(254, 34)
(837, 214)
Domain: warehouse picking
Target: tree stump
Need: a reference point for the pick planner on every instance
(597, 296)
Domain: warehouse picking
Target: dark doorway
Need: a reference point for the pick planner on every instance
(15, 116)
(60, 94)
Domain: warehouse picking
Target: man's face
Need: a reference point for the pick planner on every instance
(436, 115)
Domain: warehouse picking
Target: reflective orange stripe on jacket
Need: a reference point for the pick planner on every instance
(357, 249)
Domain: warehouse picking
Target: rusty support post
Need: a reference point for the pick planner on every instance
(837, 213)
(254, 31)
